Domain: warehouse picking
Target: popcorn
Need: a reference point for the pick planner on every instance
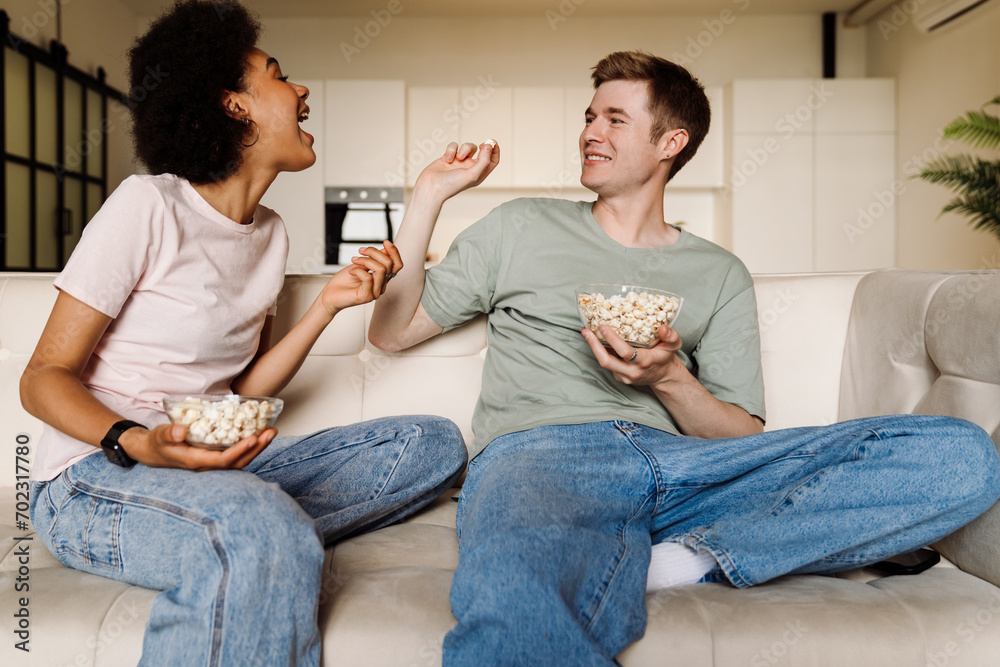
(222, 422)
(635, 316)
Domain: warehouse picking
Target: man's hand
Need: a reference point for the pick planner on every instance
(365, 280)
(456, 170)
(165, 447)
(652, 366)
(695, 411)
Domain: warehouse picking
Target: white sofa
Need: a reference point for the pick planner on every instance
(835, 346)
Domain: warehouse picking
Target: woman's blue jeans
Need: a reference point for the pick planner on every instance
(556, 523)
(238, 554)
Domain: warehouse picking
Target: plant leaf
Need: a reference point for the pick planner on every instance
(982, 207)
(978, 129)
(963, 173)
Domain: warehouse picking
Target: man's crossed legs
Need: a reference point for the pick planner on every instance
(556, 523)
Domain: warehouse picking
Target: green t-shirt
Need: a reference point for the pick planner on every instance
(522, 263)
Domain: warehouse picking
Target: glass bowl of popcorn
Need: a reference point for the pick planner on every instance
(635, 313)
(218, 421)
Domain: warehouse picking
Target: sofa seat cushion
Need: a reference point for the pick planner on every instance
(384, 601)
(943, 614)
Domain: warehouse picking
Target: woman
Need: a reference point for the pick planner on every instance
(172, 290)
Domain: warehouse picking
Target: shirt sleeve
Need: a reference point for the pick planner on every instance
(115, 249)
(464, 283)
(728, 354)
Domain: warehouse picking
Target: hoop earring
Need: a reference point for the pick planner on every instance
(246, 121)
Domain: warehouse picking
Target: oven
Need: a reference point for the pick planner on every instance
(359, 216)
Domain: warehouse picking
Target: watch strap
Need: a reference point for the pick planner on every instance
(113, 449)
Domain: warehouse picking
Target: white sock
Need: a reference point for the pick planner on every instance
(673, 564)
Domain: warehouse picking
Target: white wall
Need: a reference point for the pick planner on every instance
(529, 52)
(939, 77)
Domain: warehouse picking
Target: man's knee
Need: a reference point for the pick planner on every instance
(977, 465)
(443, 437)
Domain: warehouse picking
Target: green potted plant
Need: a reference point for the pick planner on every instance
(974, 180)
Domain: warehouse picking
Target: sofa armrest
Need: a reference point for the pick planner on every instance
(928, 342)
(975, 547)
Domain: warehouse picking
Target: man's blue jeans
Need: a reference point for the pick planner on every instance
(239, 553)
(556, 523)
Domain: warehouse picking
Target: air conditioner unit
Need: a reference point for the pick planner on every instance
(936, 14)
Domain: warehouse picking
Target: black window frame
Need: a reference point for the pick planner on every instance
(56, 59)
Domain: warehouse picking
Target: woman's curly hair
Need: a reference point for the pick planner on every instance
(178, 72)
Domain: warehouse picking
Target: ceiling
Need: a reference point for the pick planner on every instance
(509, 8)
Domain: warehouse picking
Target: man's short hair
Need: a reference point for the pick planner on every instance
(676, 99)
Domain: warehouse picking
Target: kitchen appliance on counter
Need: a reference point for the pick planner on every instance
(360, 216)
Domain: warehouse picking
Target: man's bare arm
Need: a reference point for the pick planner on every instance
(399, 321)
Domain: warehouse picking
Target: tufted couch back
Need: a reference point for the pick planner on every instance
(834, 346)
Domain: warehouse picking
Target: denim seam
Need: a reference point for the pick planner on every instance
(606, 585)
(46, 495)
(378, 494)
(399, 457)
(376, 521)
(653, 469)
(801, 486)
(57, 510)
(116, 561)
(266, 468)
(206, 524)
(722, 557)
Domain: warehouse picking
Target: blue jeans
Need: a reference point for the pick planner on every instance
(556, 523)
(239, 553)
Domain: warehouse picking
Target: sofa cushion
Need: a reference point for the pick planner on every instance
(941, 617)
(803, 326)
(962, 332)
(384, 599)
(886, 366)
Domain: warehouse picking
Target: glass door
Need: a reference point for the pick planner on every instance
(53, 175)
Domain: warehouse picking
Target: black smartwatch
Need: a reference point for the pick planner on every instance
(113, 449)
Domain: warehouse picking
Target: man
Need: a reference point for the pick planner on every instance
(586, 456)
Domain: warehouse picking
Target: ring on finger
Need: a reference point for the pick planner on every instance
(635, 353)
(390, 275)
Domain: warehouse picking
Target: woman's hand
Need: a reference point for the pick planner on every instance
(164, 446)
(365, 280)
(458, 170)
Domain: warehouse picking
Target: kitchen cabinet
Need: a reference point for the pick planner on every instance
(811, 174)
(705, 168)
(485, 112)
(576, 99)
(365, 125)
(855, 202)
(298, 196)
(772, 203)
(432, 122)
(538, 129)
(536, 152)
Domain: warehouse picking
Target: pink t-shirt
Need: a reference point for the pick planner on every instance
(188, 289)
